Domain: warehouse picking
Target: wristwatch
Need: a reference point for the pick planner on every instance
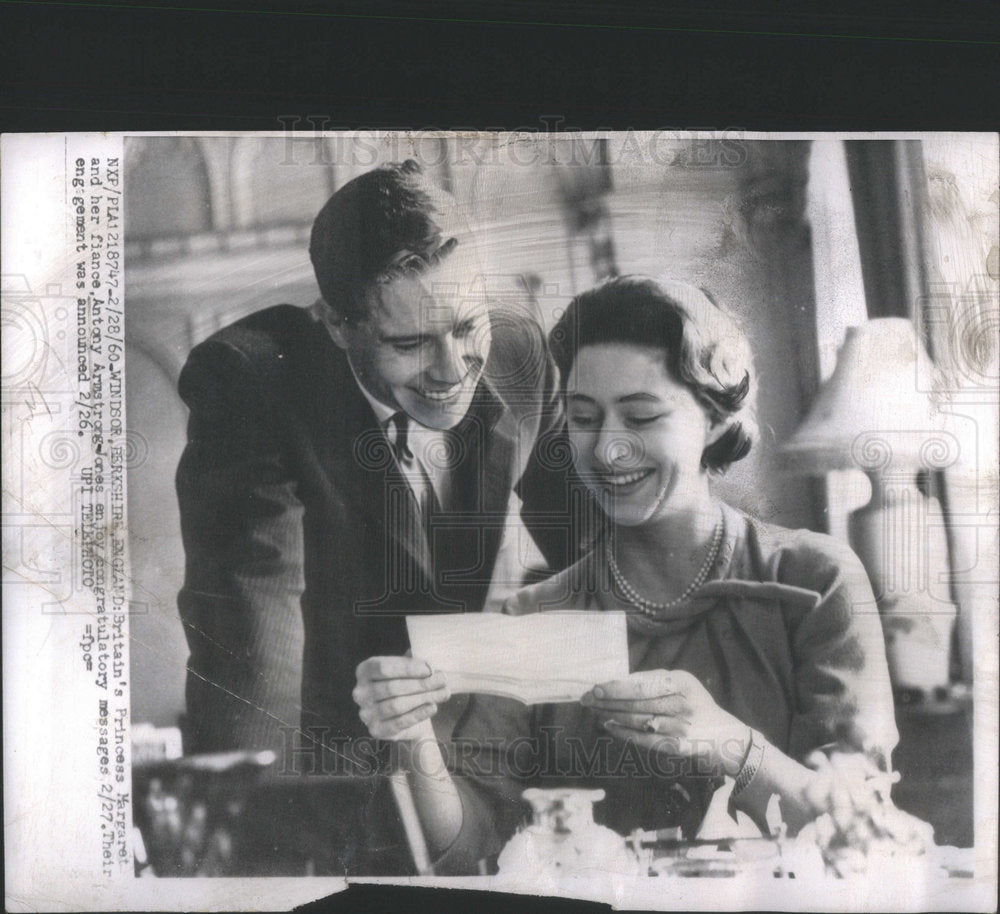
(755, 755)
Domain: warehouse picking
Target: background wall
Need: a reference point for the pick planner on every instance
(218, 227)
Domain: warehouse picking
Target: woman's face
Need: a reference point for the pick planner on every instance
(637, 434)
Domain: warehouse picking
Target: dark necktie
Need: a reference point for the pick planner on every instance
(400, 446)
(414, 470)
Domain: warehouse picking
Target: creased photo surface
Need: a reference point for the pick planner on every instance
(604, 515)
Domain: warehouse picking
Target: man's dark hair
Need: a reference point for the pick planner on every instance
(374, 227)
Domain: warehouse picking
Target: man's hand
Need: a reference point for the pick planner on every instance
(397, 693)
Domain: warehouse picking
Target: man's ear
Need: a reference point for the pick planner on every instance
(335, 325)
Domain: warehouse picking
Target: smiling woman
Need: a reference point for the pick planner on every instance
(747, 654)
(657, 384)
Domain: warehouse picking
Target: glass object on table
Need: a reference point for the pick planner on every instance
(563, 840)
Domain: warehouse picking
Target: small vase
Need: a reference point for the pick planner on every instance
(564, 841)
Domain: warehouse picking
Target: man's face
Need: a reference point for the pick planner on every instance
(424, 347)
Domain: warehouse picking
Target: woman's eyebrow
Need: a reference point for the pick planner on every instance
(627, 398)
(642, 397)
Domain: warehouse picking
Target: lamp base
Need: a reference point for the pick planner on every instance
(903, 554)
(917, 646)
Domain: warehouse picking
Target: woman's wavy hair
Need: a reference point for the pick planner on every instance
(704, 348)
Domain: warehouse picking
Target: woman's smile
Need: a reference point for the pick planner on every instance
(624, 482)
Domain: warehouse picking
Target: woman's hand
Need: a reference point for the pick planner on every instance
(854, 818)
(847, 785)
(397, 693)
(671, 711)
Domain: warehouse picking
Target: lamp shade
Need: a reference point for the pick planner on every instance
(875, 411)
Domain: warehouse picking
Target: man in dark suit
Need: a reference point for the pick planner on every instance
(354, 463)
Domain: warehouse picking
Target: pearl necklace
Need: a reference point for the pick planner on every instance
(648, 607)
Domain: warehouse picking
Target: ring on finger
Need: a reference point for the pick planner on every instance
(652, 724)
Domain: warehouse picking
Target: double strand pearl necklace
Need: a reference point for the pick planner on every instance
(648, 607)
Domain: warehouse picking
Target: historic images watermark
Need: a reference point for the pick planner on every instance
(551, 144)
(552, 754)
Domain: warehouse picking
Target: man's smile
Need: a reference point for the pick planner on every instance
(439, 393)
(442, 394)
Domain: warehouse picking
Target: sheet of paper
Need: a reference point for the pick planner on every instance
(543, 657)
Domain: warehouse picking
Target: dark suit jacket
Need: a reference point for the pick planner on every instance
(299, 529)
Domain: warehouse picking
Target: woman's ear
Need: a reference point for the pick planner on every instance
(716, 429)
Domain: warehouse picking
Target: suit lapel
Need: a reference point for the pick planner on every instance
(466, 537)
(477, 454)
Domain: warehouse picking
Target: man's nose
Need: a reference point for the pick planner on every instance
(449, 365)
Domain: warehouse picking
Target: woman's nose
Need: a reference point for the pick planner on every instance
(616, 447)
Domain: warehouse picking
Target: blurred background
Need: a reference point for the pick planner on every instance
(801, 239)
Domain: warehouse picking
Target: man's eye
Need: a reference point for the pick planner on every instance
(406, 347)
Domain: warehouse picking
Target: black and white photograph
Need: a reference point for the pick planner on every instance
(609, 515)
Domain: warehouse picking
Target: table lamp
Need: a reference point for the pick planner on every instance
(878, 412)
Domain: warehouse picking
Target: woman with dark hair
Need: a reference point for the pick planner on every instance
(750, 646)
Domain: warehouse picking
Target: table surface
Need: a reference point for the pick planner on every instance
(789, 860)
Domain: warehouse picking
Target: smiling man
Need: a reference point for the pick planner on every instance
(353, 463)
